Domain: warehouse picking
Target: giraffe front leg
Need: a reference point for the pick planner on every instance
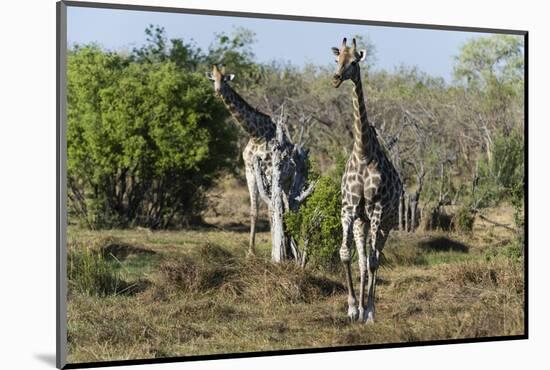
(359, 236)
(345, 257)
(253, 192)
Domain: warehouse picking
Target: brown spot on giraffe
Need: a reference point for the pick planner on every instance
(371, 189)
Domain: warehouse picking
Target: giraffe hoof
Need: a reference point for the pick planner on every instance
(369, 317)
(353, 313)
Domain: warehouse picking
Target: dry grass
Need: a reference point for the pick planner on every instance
(203, 296)
(215, 271)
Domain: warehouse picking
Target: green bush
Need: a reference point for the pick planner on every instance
(145, 139)
(464, 219)
(514, 250)
(90, 273)
(316, 225)
(518, 202)
(503, 174)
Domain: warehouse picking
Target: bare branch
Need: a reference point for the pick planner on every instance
(306, 193)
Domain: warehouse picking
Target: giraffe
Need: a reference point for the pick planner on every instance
(371, 189)
(260, 129)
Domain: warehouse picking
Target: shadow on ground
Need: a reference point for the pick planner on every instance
(240, 227)
(122, 250)
(443, 244)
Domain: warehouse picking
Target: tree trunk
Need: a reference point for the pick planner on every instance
(279, 243)
(414, 205)
(400, 212)
(286, 191)
(406, 212)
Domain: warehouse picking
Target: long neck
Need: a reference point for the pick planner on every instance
(255, 123)
(364, 136)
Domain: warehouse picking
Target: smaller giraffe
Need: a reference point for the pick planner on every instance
(259, 127)
(371, 189)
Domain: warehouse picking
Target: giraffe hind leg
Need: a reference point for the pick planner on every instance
(253, 192)
(345, 256)
(377, 239)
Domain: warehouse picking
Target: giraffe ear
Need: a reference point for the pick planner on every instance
(209, 75)
(229, 77)
(362, 55)
(335, 51)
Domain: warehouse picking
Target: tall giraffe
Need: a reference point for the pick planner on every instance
(371, 188)
(258, 126)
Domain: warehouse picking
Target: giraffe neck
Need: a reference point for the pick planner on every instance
(257, 124)
(364, 135)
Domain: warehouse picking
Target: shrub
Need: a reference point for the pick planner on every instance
(514, 250)
(464, 219)
(316, 225)
(503, 174)
(144, 140)
(518, 202)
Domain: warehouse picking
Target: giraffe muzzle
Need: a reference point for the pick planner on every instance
(336, 81)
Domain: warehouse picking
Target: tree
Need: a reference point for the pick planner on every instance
(486, 60)
(492, 71)
(144, 140)
(184, 54)
(284, 189)
(235, 51)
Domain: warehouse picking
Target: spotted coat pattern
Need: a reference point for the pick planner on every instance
(371, 189)
(260, 129)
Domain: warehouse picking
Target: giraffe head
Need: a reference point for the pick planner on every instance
(348, 59)
(219, 77)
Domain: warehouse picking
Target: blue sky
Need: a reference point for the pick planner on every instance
(298, 42)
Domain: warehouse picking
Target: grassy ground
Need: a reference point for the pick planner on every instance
(190, 292)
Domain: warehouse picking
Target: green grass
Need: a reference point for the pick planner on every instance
(438, 258)
(194, 292)
(135, 267)
(92, 274)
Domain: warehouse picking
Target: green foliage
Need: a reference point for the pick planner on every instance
(487, 60)
(501, 177)
(235, 51)
(506, 165)
(512, 251)
(464, 219)
(184, 55)
(90, 273)
(144, 140)
(517, 199)
(340, 161)
(316, 226)
(492, 69)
